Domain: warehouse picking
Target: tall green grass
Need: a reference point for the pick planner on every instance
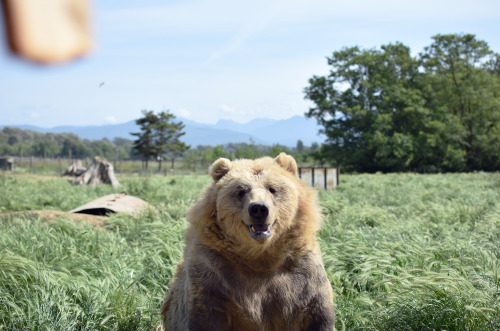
(67, 277)
(55, 193)
(414, 252)
(402, 251)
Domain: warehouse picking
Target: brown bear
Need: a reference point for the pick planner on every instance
(251, 258)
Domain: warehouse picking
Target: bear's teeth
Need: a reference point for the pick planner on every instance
(253, 229)
(267, 229)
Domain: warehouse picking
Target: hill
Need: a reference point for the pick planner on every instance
(261, 131)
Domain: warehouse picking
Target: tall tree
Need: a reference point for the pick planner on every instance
(159, 135)
(167, 137)
(369, 107)
(463, 79)
(145, 142)
(382, 109)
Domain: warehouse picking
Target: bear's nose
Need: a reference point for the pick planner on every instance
(258, 210)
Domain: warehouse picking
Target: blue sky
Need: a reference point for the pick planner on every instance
(219, 59)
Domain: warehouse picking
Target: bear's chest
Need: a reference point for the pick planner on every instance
(276, 301)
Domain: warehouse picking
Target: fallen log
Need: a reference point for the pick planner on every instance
(99, 172)
(115, 203)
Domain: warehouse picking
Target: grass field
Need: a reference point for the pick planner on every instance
(402, 252)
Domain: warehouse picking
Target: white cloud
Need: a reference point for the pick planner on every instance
(110, 120)
(183, 112)
(228, 110)
(34, 115)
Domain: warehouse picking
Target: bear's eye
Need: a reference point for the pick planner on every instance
(272, 190)
(241, 192)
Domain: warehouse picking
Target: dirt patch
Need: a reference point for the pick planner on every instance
(49, 215)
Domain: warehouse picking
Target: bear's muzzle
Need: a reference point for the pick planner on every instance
(260, 229)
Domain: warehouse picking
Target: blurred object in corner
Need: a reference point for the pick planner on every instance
(48, 31)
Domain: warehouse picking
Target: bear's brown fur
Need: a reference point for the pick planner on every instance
(251, 260)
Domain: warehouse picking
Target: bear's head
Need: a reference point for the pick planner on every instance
(255, 200)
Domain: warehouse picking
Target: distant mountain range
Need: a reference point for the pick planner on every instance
(261, 131)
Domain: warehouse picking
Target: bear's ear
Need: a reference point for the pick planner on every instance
(219, 168)
(287, 162)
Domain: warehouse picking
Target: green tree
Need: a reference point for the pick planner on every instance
(145, 142)
(204, 156)
(382, 109)
(159, 135)
(46, 148)
(247, 150)
(299, 147)
(167, 139)
(74, 147)
(14, 141)
(463, 81)
(370, 107)
(103, 148)
(277, 149)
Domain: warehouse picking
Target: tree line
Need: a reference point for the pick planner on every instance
(18, 142)
(387, 110)
(204, 155)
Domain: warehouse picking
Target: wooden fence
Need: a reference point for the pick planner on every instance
(40, 165)
(324, 178)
